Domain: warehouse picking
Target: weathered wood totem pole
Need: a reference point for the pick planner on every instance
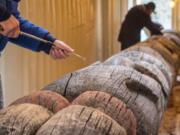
(124, 95)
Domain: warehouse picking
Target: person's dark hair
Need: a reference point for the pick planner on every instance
(151, 5)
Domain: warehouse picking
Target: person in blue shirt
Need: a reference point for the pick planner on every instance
(12, 23)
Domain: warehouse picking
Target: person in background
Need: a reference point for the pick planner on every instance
(11, 23)
(137, 17)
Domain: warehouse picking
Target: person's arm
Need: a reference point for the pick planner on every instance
(9, 25)
(151, 26)
(60, 51)
(29, 43)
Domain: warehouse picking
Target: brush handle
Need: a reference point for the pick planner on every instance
(44, 41)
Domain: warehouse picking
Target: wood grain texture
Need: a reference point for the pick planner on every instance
(145, 48)
(168, 44)
(142, 94)
(50, 100)
(23, 119)
(111, 106)
(172, 32)
(170, 56)
(137, 56)
(81, 120)
(144, 68)
(174, 38)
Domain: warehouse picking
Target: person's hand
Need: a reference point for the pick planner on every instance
(10, 27)
(60, 50)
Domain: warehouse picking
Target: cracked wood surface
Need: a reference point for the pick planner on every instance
(145, 48)
(50, 100)
(169, 56)
(168, 43)
(111, 106)
(23, 119)
(137, 56)
(144, 68)
(173, 38)
(127, 94)
(81, 120)
(142, 94)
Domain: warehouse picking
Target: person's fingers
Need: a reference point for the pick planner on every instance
(10, 27)
(57, 53)
(10, 34)
(52, 54)
(63, 46)
(7, 33)
(61, 50)
(3, 30)
(15, 31)
(60, 53)
(66, 47)
(66, 53)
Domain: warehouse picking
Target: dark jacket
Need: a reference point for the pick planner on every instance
(11, 7)
(131, 27)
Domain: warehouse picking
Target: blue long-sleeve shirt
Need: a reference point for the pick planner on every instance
(28, 27)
